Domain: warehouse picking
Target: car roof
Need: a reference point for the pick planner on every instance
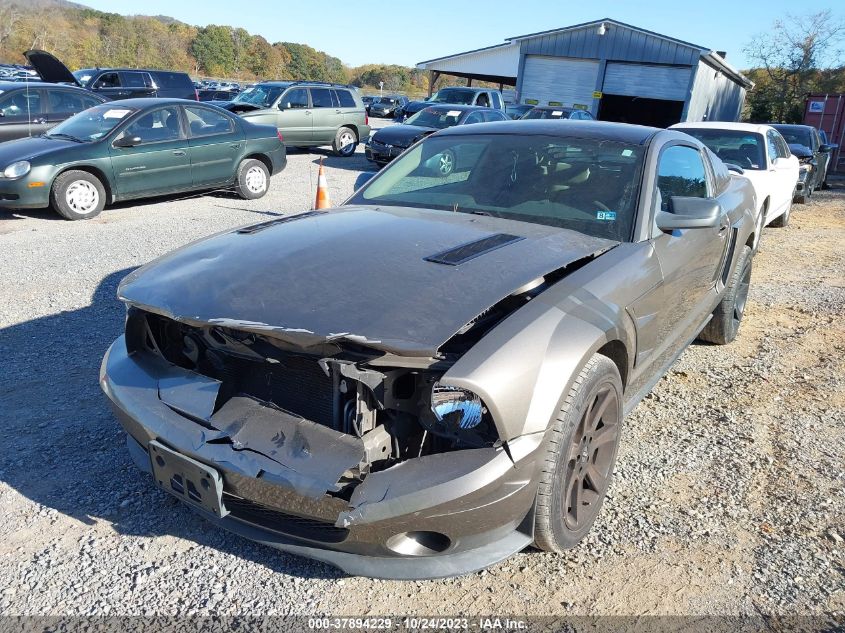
(137, 70)
(473, 89)
(598, 130)
(791, 126)
(455, 106)
(152, 101)
(12, 85)
(722, 125)
(539, 107)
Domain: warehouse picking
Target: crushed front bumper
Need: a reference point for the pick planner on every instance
(435, 516)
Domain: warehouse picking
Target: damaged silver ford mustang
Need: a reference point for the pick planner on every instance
(433, 376)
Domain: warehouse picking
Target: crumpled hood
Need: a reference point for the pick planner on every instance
(30, 149)
(401, 135)
(353, 273)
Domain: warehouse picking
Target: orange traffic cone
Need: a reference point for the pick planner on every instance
(322, 201)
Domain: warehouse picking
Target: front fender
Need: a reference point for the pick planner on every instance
(526, 365)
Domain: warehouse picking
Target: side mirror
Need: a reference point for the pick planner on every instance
(825, 148)
(128, 141)
(739, 170)
(690, 213)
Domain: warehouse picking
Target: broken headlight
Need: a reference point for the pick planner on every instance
(456, 407)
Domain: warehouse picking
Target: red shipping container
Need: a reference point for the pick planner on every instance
(827, 112)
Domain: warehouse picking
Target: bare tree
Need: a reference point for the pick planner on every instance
(790, 55)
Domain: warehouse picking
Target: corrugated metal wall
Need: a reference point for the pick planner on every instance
(618, 43)
(715, 97)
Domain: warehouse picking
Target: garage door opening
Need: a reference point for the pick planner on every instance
(640, 110)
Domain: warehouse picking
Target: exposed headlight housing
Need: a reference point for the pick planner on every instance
(456, 407)
(17, 170)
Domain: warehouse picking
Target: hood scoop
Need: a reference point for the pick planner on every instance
(470, 250)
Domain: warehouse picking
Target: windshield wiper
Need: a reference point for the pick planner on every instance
(70, 137)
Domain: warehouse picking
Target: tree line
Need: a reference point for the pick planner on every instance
(84, 38)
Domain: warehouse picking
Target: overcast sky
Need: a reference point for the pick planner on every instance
(408, 32)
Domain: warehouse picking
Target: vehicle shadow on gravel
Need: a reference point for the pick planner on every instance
(64, 450)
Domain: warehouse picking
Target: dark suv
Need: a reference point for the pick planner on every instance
(306, 113)
(115, 83)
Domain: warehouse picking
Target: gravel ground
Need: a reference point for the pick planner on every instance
(729, 495)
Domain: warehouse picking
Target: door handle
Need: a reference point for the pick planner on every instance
(235, 146)
(40, 121)
(308, 112)
(178, 152)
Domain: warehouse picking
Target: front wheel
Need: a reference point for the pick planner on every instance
(580, 454)
(77, 195)
(345, 142)
(253, 179)
(724, 326)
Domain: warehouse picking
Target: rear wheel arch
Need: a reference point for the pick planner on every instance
(263, 158)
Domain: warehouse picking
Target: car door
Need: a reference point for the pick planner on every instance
(295, 115)
(215, 146)
(691, 259)
(326, 115)
(136, 84)
(159, 163)
(781, 174)
(22, 114)
(822, 158)
(108, 84)
(63, 104)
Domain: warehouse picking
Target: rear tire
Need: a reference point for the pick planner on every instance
(580, 454)
(345, 142)
(253, 179)
(77, 195)
(727, 317)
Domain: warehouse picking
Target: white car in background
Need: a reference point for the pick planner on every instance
(765, 159)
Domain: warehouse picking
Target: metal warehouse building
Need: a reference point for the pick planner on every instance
(616, 71)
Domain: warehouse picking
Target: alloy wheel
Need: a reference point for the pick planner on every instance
(742, 294)
(347, 143)
(446, 163)
(590, 458)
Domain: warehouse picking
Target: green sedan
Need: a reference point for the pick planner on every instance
(138, 148)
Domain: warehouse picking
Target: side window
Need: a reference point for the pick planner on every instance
(156, 126)
(19, 106)
(345, 98)
(497, 100)
(680, 173)
(783, 148)
(494, 115)
(65, 101)
(107, 80)
(482, 100)
(137, 80)
(323, 98)
(475, 117)
(295, 99)
(772, 146)
(205, 122)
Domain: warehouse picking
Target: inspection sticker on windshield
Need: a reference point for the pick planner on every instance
(116, 114)
(627, 152)
(453, 113)
(607, 216)
(557, 112)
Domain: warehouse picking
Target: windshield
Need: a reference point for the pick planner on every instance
(83, 76)
(586, 185)
(264, 96)
(91, 124)
(543, 113)
(733, 146)
(435, 117)
(796, 136)
(453, 95)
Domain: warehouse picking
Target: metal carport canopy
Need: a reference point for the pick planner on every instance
(496, 64)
